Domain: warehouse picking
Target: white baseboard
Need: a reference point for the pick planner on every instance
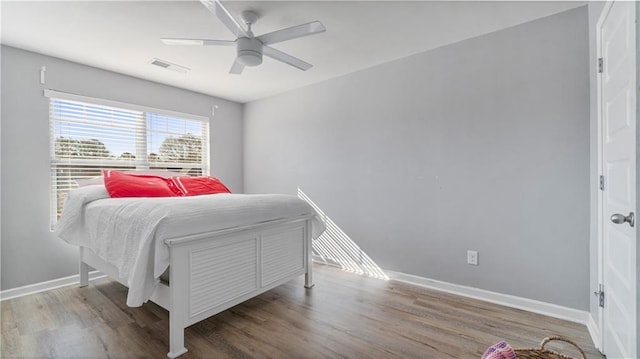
(552, 310)
(594, 331)
(319, 260)
(44, 286)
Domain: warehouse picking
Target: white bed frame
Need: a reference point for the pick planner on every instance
(214, 271)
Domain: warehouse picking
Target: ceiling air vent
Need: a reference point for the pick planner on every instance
(169, 65)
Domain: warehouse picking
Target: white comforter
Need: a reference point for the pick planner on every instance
(129, 233)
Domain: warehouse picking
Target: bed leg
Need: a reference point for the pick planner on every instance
(84, 271)
(176, 338)
(308, 281)
(308, 276)
(178, 301)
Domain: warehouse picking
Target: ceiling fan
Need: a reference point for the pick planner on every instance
(250, 48)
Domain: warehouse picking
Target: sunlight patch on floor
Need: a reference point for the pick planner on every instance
(335, 248)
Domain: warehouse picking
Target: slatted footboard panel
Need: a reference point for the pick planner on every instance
(223, 272)
(282, 254)
(226, 270)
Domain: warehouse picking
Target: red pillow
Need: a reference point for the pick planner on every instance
(194, 186)
(120, 184)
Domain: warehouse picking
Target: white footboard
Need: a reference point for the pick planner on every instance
(211, 274)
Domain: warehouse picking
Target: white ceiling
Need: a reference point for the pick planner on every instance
(123, 36)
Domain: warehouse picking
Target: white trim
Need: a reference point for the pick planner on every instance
(129, 106)
(552, 310)
(594, 331)
(320, 260)
(45, 286)
(598, 322)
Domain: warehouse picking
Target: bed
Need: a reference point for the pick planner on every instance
(193, 256)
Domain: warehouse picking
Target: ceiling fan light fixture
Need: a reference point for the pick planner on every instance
(249, 58)
(249, 51)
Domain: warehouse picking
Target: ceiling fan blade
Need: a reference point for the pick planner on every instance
(197, 42)
(293, 32)
(216, 7)
(236, 68)
(286, 58)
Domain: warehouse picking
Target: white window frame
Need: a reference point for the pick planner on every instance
(141, 163)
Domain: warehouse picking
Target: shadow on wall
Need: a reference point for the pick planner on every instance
(335, 248)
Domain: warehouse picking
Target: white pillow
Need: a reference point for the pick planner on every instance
(98, 180)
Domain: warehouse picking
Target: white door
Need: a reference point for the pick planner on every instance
(618, 146)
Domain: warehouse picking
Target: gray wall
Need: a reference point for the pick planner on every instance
(30, 253)
(483, 144)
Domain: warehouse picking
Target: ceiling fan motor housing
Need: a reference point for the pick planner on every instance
(249, 51)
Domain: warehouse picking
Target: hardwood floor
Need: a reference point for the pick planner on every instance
(343, 316)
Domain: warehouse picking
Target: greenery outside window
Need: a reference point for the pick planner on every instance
(89, 135)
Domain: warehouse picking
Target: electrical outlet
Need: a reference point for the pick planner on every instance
(472, 258)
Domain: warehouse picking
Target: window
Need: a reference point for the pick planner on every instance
(89, 135)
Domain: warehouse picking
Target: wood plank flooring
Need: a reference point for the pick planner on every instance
(343, 316)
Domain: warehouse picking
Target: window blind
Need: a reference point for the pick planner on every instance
(86, 138)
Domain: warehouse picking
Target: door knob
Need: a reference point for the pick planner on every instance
(621, 218)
